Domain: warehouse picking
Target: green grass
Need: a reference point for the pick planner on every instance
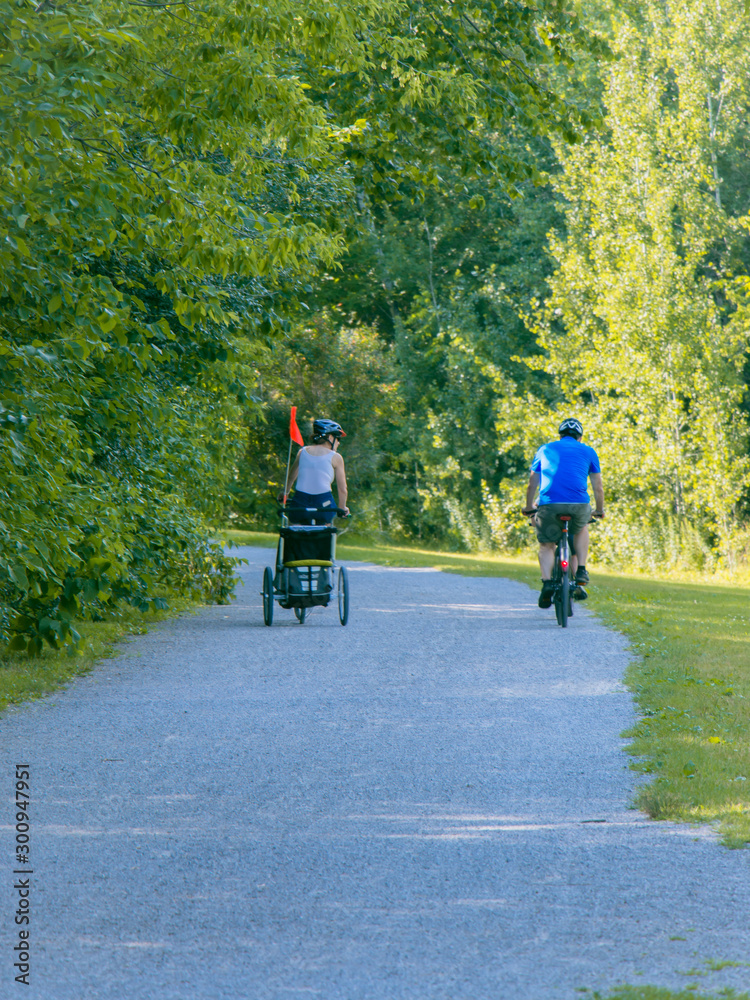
(23, 677)
(691, 677)
(264, 538)
(692, 684)
(659, 993)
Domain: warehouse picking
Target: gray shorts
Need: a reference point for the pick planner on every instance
(549, 529)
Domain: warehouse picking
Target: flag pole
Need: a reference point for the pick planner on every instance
(294, 435)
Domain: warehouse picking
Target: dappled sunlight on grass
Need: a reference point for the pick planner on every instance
(660, 993)
(693, 684)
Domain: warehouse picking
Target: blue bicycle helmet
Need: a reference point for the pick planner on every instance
(323, 427)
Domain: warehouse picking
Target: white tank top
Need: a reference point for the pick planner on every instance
(315, 473)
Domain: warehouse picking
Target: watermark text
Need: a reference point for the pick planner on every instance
(22, 876)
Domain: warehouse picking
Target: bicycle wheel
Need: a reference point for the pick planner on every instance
(564, 581)
(268, 596)
(561, 579)
(300, 613)
(564, 599)
(556, 578)
(343, 596)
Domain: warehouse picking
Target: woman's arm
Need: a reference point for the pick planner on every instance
(292, 476)
(340, 477)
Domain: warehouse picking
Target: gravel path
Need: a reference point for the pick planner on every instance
(429, 804)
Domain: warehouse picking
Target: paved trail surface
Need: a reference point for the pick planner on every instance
(429, 804)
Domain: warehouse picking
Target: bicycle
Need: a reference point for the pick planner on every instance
(562, 574)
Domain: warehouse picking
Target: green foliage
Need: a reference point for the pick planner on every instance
(150, 160)
(324, 369)
(211, 214)
(640, 331)
(458, 100)
(172, 181)
(457, 83)
(636, 309)
(442, 283)
(661, 542)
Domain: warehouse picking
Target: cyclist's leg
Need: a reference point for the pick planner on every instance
(581, 544)
(581, 514)
(548, 531)
(546, 559)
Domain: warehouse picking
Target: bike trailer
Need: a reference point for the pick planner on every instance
(305, 572)
(306, 556)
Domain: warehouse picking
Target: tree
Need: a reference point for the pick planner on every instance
(638, 331)
(151, 158)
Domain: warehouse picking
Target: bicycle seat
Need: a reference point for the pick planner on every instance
(564, 517)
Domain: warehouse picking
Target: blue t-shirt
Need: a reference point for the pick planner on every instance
(563, 468)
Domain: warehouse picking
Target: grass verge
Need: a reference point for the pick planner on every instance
(659, 993)
(23, 677)
(691, 677)
(692, 684)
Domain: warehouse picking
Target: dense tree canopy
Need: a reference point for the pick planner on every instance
(176, 179)
(640, 328)
(617, 291)
(443, 223)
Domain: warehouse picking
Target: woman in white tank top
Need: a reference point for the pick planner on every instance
(314, 470)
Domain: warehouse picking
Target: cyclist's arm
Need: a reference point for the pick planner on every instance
(598, 488)
(531, 489)
(340, 476)
(292, 477)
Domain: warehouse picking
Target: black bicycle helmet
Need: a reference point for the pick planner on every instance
(323, 427)
(571, 428)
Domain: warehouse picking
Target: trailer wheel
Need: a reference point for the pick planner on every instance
(343, 595)
(268, 596)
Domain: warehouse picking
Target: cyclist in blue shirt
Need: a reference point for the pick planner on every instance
(560, 471)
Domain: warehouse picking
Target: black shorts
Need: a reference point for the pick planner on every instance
(311, 508)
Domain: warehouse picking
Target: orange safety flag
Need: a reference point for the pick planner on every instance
(294, 432)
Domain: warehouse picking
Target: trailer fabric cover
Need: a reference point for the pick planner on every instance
(307, 542)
